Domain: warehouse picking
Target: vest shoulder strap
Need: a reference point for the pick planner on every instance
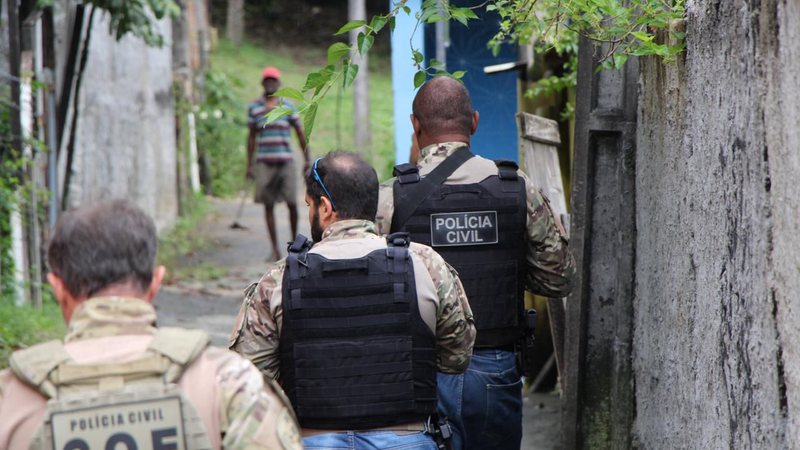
(180, 346)
(409, 199)
(297, 255)
(406, 173)
(507, 169)
(33, 365)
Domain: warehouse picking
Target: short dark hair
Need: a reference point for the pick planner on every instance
(352, 183)
(442, 105)
(96, 246)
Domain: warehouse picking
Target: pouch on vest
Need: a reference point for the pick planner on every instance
(355, 353)
(479, 229)
(132, 405)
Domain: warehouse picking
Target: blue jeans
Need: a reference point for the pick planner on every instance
(370, 440)
(484, 404)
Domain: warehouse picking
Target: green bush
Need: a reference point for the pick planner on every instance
(222, 134)
(23, 326)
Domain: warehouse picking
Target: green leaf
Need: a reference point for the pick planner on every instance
(277, 113)
(436, 64)
(419, 79)
(350, 73)
(352, 25)
(391, 24)
(365, 42)
(418, 57)
(434, 18)
(406, 10)
(458, 74)
(642, 36)
(316, 80)
(377, 23)
(289, 92)
(309, 114)
(336, 51)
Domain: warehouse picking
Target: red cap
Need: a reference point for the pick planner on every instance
(271, 72)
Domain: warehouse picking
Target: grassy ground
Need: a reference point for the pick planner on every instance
(243, 67)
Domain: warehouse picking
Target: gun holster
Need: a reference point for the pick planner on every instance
(440, 430)
(526, 353)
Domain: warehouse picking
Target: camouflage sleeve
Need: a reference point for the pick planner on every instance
(383, 220)
(255, 413)
(550, 264)
(257, 329)
(455, 325)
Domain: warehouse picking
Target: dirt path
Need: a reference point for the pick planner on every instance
(241, 257)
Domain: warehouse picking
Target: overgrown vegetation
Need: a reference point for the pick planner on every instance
(134, 17)
(23, 326)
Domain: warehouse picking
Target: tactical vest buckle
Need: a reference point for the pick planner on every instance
(398, 239)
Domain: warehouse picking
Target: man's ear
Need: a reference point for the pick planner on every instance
(155, 283)
(415, 124)
(325, 208)
(59, 288)
(476, 117)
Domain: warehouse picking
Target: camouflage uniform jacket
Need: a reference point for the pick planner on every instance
(442, 302)
(238, 408)
(550, 264)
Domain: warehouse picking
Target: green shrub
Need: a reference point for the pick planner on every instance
(23, 326)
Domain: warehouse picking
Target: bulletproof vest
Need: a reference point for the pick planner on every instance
(130, 405)
(479, 229)
(354, 351)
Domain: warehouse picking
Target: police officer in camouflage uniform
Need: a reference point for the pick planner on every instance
(117, 381)
(357, 326)
(487, 220)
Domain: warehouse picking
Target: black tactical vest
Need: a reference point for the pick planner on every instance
(354, 350)
(480, 229)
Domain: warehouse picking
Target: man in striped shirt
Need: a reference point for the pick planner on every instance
(270, 160)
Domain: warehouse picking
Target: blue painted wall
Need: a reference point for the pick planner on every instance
(493, 96)
(403, 78)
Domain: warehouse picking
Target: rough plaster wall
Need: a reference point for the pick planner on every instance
(706, 353)
(125, 143)
(783, 141)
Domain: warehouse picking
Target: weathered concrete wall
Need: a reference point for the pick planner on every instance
(125, 139)
(3, 39)
(716, 348)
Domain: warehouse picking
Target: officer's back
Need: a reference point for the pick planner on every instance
(487, 220)
(357, 326)
(116, 380)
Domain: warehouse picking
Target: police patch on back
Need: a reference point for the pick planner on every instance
(150, 424)
(464, 228)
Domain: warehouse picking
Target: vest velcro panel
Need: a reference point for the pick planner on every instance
(492, 272)
(355, 352)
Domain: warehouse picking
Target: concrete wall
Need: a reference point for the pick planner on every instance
(125, 140)
(716, 348)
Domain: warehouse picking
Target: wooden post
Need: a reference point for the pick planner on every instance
(539, 141)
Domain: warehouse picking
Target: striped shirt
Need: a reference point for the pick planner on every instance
(273, 141)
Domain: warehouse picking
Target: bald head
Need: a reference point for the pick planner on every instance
(442, 107)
